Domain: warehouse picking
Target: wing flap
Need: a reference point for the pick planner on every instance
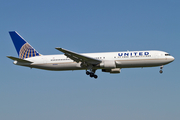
(78, 57)
(19, 60)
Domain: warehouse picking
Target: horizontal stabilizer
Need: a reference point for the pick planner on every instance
(19, 60)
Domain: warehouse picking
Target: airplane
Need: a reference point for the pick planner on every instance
(110, 62)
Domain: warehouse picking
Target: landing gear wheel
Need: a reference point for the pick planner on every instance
(161, 71)
(95, 76)
(91, 75)
(87, 72)
(161, 67)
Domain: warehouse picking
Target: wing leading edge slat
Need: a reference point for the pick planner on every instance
(78, 57)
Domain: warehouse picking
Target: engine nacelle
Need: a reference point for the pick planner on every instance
(115, 70)
(109, 64)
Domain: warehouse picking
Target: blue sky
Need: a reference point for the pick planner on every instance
(90, 26)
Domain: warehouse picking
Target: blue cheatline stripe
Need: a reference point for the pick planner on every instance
(24, 49)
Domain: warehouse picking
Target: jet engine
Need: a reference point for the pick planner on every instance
(109, 64)
(115, 70)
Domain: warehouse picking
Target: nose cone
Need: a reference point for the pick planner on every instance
(171, 59)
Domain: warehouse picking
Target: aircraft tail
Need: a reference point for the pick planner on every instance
(23, 48)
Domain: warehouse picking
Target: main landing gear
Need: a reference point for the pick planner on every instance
(91, 74)
(161, 67)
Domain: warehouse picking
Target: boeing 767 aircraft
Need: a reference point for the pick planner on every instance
(110, 62)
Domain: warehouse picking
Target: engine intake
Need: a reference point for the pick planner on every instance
(109, 64)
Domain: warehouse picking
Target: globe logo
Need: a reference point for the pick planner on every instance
(27, 51)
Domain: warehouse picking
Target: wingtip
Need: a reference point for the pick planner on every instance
(58, 48)
(9, 56)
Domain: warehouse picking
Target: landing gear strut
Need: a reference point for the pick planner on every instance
(161, 67)
(91, 74)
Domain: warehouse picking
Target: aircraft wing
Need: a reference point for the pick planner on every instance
(78, 57)
(19, 60)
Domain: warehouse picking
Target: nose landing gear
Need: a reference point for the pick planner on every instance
(161, 67)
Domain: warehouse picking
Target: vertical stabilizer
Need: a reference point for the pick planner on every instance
(23, 48)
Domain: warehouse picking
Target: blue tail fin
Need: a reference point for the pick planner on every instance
(23, 48)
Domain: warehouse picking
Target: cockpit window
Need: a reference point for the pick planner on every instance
(167, 55)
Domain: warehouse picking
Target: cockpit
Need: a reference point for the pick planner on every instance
(167, 55)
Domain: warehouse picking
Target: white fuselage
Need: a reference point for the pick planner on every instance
(127, 59)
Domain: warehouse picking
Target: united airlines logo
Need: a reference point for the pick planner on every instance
(27, 51)
(133, 54)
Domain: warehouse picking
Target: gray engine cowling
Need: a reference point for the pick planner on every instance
(115, 70)
(109, 64)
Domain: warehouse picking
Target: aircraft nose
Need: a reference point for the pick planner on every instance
(171, 58)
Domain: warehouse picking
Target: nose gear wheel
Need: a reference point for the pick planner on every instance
(161, 71)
